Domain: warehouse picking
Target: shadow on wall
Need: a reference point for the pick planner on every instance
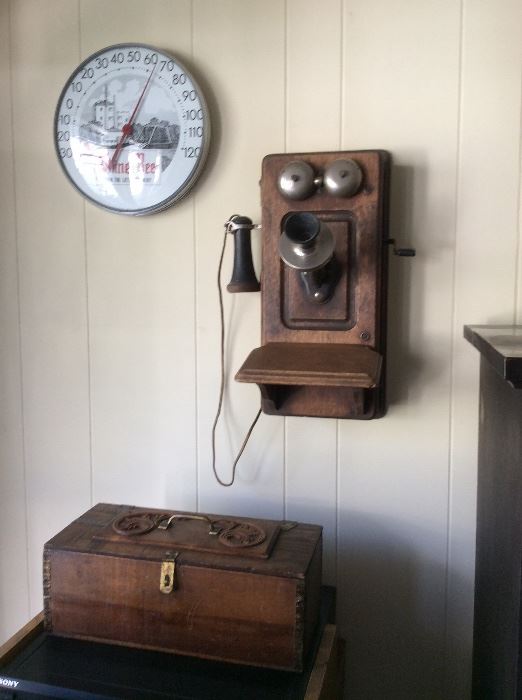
(391, 612)
(406, 183)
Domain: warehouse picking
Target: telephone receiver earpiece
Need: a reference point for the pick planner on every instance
(307, 245)
(341, 178)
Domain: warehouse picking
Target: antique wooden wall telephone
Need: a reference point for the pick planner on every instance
(323, 284)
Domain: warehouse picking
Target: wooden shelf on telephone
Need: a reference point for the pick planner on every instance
(285, 372)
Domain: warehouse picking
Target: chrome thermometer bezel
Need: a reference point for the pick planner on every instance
(108, 165)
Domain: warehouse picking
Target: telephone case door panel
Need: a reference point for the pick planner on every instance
(353, 315)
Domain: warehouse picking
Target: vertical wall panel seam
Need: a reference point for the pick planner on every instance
(196, 299)
(285, 75)
(518, 271)
(19, 312)
(338, 509)
(89, 361)
(341, 76)
(285, 460)
(454, 334)
(338, 430)
(285, 148)
(337, 422)
(87, 304)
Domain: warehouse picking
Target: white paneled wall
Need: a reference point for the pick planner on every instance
(110, 334)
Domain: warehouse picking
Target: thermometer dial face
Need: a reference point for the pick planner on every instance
(132, 129)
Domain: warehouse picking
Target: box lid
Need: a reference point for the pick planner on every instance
(269, 547)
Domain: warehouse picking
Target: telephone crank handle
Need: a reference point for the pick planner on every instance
(402, 252)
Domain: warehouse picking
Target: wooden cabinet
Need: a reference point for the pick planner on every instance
(497, 626)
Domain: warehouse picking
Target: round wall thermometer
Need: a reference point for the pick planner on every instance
(132, 129)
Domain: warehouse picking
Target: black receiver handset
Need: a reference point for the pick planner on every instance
(243, 274)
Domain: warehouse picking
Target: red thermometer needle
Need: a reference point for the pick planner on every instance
(126, 129)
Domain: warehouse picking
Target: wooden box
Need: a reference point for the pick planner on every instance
(235, 589)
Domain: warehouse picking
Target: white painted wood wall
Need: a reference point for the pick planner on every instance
(109, 326)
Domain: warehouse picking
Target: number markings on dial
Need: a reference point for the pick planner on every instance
(159, 157)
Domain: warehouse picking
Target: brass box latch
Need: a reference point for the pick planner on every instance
(168, 573)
